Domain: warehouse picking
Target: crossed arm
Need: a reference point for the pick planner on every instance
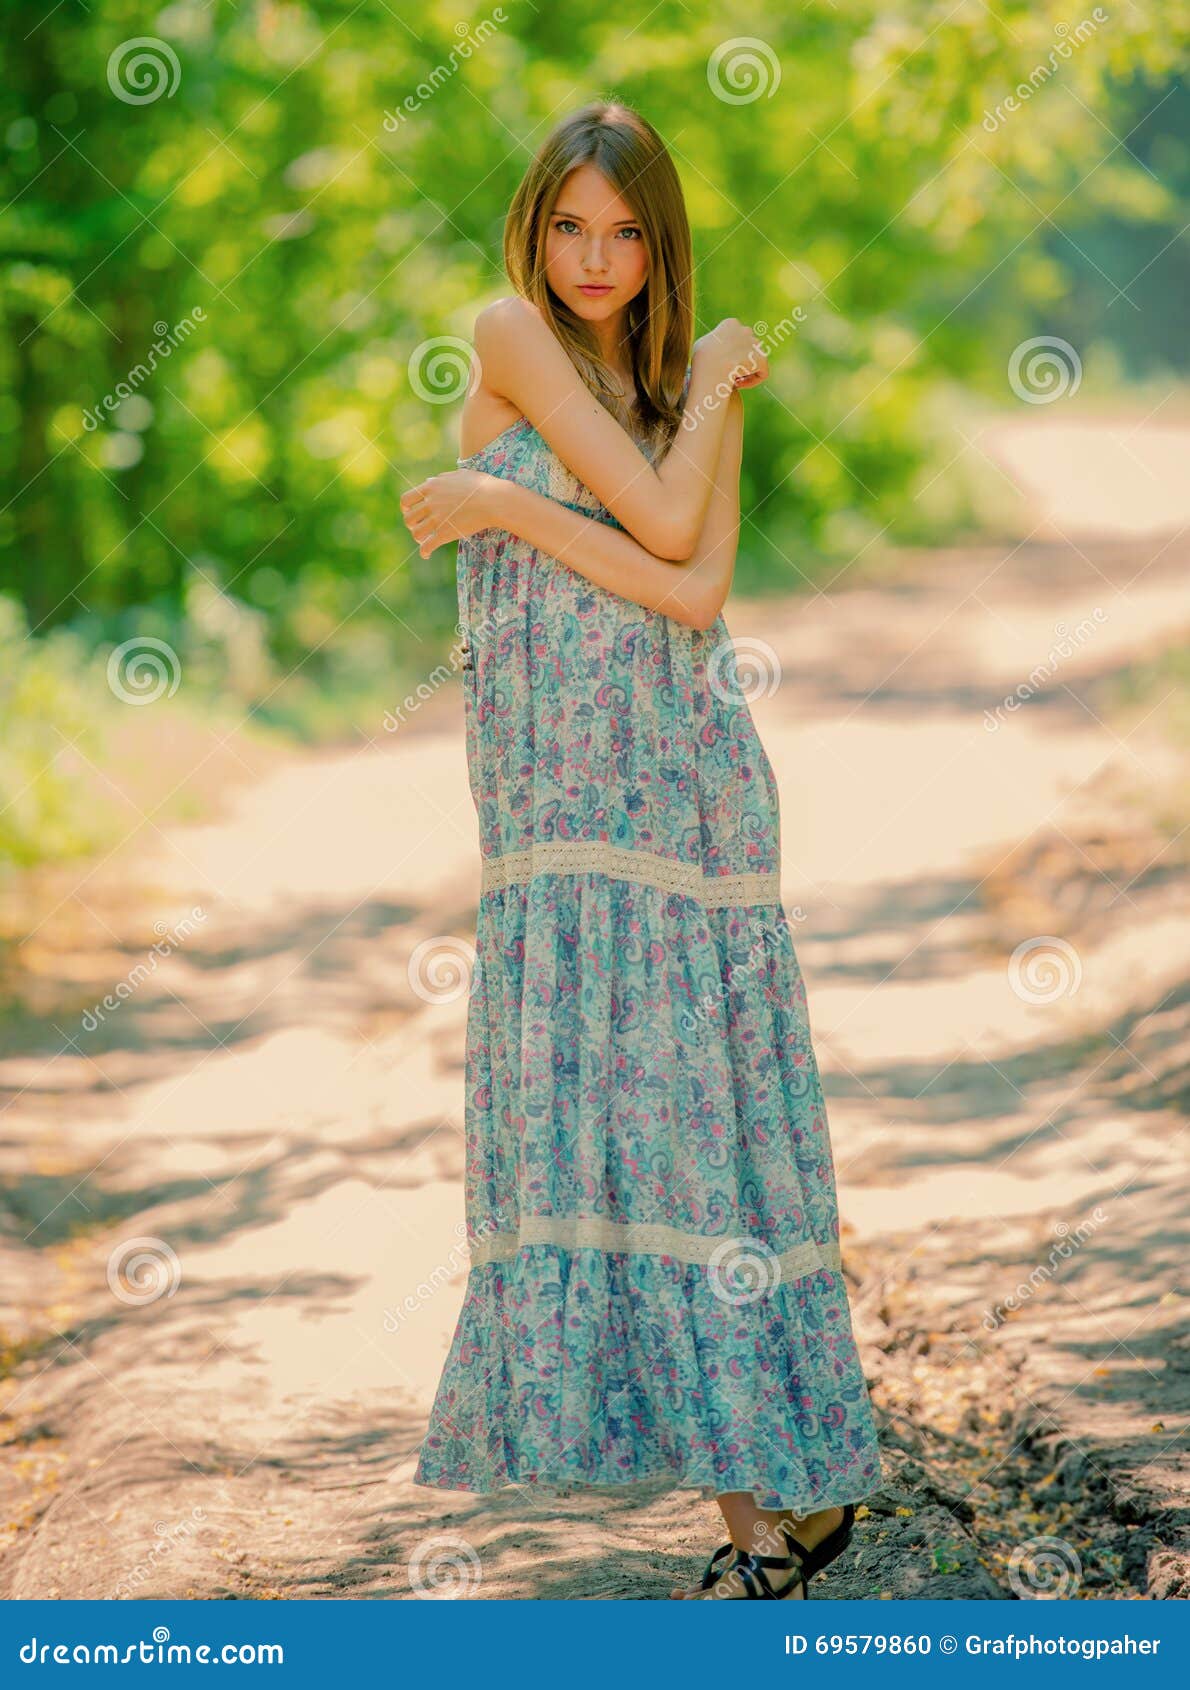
(520, 360)
(692, 593)
(683, 514)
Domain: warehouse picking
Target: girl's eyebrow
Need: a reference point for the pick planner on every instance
(575, 218)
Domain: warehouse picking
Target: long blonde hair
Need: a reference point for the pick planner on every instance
(628, 151)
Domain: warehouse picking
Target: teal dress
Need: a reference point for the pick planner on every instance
(654, 1284)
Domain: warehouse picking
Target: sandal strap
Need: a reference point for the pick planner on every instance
(811, 1560)
(713, 1573)
(755, 1580)
(832, 1545)
(794, 1560)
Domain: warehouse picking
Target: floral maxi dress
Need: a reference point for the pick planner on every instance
(654, 1285)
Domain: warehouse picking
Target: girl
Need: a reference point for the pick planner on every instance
(655, 1282)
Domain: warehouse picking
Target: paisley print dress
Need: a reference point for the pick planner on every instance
(654, 1283)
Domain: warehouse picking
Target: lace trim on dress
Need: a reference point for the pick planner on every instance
(597, 856)
(732, 1255)
(565, 488)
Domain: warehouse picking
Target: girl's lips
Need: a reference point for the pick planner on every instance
(593, 287)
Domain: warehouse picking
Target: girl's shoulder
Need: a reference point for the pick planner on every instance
(510, 315)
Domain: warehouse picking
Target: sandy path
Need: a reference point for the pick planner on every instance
(279, 1105)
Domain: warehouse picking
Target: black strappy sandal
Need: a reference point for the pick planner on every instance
(822, 1554)
(833, 1544)
(713, 1572)
(751, 1568)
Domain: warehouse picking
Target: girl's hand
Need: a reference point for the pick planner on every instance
(451, 506)
(735, 354)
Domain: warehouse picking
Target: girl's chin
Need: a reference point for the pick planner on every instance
(593, 304)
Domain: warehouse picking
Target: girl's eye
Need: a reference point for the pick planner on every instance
(567, 225)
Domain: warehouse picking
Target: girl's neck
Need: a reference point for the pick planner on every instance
(615, 350)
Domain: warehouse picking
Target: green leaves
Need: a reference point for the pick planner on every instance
(329, 187)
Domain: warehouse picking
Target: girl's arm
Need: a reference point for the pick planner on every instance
(663, 506)
(465, 501)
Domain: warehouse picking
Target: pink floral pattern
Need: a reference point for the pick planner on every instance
(654, 1286)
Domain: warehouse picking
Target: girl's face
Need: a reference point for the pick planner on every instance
(595, 258)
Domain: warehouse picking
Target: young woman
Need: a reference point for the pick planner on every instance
(655, 1282)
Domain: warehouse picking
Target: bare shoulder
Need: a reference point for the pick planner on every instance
(498, 343)
(510, 325)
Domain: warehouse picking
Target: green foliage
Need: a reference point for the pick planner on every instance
(210, 300)
(1156, 690)
(48, 704)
